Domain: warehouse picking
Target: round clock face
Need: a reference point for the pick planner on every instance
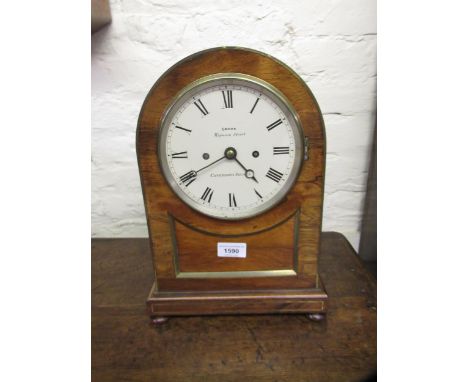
(230, 146)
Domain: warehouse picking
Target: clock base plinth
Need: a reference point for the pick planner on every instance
(312, 302)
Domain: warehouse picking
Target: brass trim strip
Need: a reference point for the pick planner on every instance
(297, 223)
(175, 248)
(235, 274)
(313, 298)
(174, 218)
(152, 290)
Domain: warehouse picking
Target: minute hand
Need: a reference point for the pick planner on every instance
(211, 164)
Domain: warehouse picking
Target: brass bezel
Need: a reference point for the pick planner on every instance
(231, 79)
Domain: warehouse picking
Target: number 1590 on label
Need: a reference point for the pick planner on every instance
(232, 250)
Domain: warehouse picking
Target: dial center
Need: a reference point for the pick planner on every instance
(230, 153)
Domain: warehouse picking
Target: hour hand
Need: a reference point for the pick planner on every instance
(248, 172)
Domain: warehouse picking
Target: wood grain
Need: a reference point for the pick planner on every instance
(272, 249)
(276, 243)
(229, 348)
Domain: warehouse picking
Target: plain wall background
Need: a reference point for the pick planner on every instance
(331, 44)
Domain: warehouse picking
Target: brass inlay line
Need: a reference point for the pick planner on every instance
(297, 223)
(175, 249)
(223, 298)
(235, 274)
(296, 212)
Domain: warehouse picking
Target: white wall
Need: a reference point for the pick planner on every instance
(330, 43)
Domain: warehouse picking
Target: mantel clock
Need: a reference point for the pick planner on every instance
(230, 146)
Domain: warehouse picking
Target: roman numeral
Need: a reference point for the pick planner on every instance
(232, 200)
(181, 155)
(258, 194)
(254, 105)
(188, 177)
(201, 107)
(227, 97)
(207, 194)
(274, 175)
(183, 128)
(280, 150)
(274, 124)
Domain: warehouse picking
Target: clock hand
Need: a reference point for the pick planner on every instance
(251, 174)
(211, 164)
(231, 153)
(190, 176)
(248, 172)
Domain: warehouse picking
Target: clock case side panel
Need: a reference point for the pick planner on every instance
(161, 203)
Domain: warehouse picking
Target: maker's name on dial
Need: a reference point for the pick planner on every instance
(217, 175)
(229, 132)
(236, 134)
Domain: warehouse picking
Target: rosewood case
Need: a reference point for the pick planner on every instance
(280, 273)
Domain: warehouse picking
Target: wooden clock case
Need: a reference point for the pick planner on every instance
(279, 274)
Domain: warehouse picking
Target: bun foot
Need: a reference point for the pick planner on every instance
(316, 316)
(158, 321)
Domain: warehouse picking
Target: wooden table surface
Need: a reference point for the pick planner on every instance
(230, 348)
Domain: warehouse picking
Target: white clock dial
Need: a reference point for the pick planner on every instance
(231, 146)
